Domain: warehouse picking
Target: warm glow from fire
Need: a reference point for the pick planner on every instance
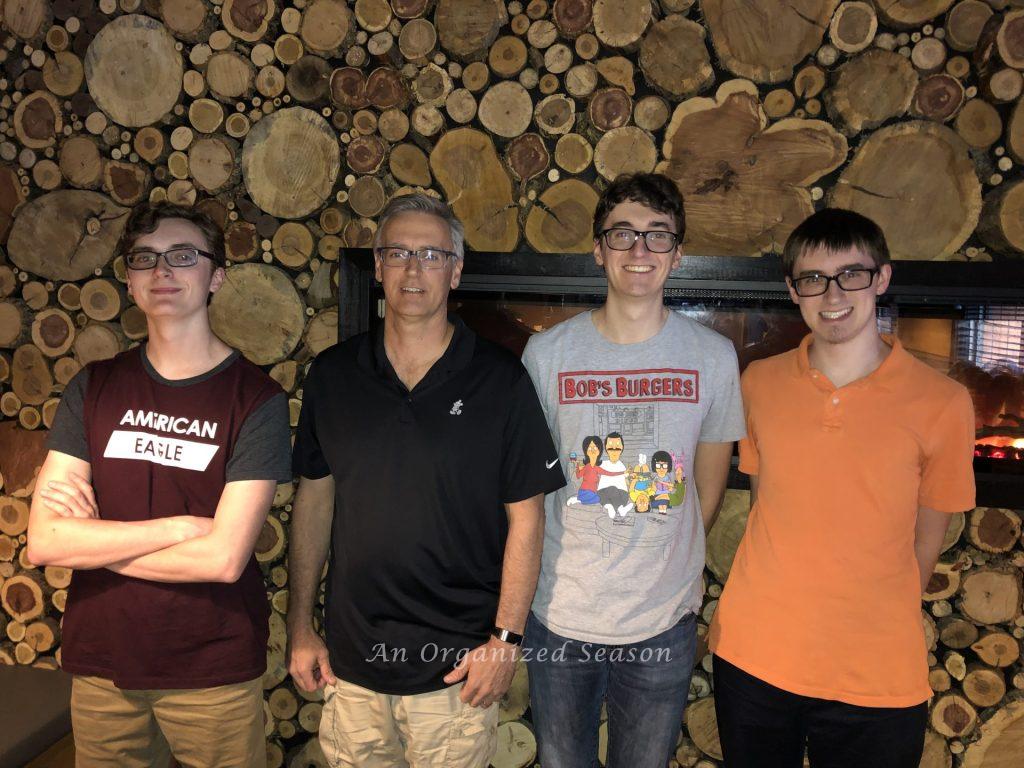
(1001, 441)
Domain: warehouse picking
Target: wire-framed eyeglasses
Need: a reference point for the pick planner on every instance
(849, 280)
(175, 257)
(428, 258)
(656, 240)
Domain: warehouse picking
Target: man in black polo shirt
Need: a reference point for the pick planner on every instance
(423, 457)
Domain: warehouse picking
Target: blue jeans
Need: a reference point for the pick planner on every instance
(645, 685)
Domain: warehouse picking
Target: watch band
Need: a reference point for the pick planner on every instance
(507, 636)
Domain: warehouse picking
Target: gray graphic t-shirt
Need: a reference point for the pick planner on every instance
(624, 540)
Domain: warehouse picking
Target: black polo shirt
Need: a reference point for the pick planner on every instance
(421, 479)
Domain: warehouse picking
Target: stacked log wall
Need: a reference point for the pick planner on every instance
(294, 123)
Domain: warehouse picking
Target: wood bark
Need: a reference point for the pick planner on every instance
(853, 26)
(609, 108)
(1001, 226)
(53, 332)
(745, 188)
(467, 167)
(527, 156)
(979, 124)
(327, 27)
(21, 455)
(621, 23)
(133, 70)
(994, 530)
(965, 22)
(38, 120)
(259, 312)
(517, 746)
(674, 58)
(290, 161)
(991, 595)
(48, 236)
(561, 221)
(907, 14)
(997, 649)
(506, 109)
(1001, 739)
(13, 516)
(98, 341)
(702, 726)
(308, 79)
(625, 150)
(126, 183)
(467, 28)
(870, 89)
(925, 222)
(765, 41)
(21, 597)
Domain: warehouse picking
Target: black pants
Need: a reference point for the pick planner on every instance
(762, 726)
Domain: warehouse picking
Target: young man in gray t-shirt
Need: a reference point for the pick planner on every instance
(643, 399)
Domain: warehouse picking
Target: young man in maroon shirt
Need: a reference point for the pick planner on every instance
(162, 466)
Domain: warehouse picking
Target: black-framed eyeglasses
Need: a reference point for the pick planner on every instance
(175, 257)
(429, 258)
(656, 240)
(848, 280)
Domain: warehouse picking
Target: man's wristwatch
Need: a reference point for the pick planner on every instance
(507, 636)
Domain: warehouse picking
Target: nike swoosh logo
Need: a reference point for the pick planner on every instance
(550, 464)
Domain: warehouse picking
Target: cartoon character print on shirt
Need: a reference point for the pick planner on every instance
(629, 486)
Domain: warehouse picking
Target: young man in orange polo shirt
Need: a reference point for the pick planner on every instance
(857, 453)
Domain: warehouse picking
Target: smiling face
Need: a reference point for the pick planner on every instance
(638, 272)
(410, 291)
(165, 291)
(839, 316)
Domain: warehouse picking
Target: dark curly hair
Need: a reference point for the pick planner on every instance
(146, 217)
(655, 190)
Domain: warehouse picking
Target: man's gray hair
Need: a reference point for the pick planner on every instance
(417, 202)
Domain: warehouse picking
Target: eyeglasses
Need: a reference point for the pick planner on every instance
(848, 280)
(175, 257)
(622, 239)
(429, 258)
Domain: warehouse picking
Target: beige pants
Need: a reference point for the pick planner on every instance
(218, 727)
(364, 729)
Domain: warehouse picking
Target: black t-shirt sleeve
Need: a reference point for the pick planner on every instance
(530, 463)
(263, 449)
(67, 435)
(308, 458)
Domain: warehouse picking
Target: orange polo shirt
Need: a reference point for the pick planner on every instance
(824, 597)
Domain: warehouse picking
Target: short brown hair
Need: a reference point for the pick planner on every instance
(655, 190)
(835, 230)
(146, 217)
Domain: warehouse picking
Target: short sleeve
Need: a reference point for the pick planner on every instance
(947, 476)
(724, 420)
(308, 459)
(532, 364)
(263, 449)
(750, 458)
(529, 460)
(67, 435)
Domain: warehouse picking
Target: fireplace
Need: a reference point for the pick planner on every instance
(965, 319)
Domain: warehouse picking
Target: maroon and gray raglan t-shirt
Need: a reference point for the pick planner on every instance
(161, 448)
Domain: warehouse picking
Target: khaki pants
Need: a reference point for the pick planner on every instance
(219, 727)
(364, 729)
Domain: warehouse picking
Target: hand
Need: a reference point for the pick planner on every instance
(679, 474)
(308, 660)
(487, 670)
(74, 498)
